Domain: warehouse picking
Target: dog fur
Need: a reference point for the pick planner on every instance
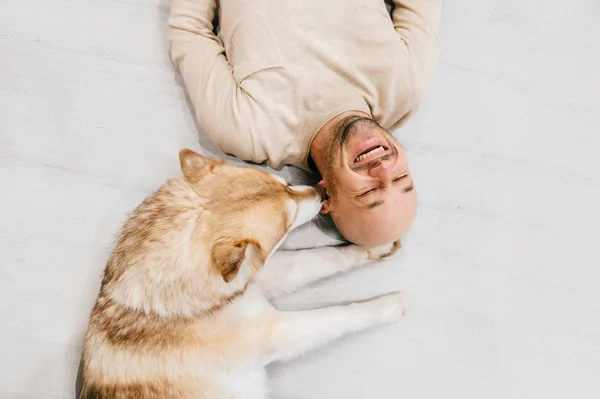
(183, 309)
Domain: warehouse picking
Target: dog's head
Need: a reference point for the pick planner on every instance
(248, 212)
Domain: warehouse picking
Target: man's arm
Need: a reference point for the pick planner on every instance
(220, 105)
(417, 22)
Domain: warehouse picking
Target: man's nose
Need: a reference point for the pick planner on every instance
(381, 171)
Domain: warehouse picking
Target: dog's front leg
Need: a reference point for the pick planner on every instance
(294, 333)
(286, 271)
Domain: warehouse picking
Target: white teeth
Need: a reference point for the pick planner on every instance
(366, 154)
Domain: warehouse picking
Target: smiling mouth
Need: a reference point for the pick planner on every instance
(371, 153)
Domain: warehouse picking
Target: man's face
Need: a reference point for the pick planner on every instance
(372, 199)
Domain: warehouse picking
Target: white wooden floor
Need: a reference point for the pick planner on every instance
(503, 264)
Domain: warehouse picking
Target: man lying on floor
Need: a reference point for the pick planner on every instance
(316, 85)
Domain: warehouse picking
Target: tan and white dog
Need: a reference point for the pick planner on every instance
(183, 310)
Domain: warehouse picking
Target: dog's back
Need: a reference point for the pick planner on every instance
(145, 310)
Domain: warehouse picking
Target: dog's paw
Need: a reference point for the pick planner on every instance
(383, 251)
(393, 306)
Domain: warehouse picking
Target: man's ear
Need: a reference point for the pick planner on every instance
(228, 256)
(194, 166)
(326, 206)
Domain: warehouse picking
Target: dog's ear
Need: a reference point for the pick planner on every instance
(228, 256)
(194, 166)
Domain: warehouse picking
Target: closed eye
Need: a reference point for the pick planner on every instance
(397, 179)
(368, 192)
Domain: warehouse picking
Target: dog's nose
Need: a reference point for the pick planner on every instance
(321, 191)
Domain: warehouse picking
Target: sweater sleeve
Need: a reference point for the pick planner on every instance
(417, 22)
(199, 55)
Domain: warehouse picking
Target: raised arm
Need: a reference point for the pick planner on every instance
(220, 105)
(417, 22)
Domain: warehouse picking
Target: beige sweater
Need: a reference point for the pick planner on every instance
(280, 69)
